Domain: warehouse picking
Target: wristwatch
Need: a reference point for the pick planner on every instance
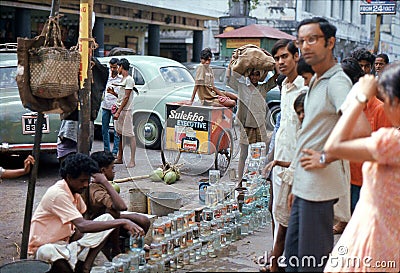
(361, 98)
(322, 158)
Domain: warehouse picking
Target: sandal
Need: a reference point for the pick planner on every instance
(118, 161)
(339, 228)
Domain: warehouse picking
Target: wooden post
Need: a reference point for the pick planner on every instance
(55, 7)
(377, 33)
(85, 45)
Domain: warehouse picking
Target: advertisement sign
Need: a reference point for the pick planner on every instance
(235, 43)
(377, 7)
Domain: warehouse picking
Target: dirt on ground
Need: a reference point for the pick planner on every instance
(238, 257)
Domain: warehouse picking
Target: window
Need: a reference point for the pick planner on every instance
(137, 76)
(174, 74)
(7, 77)
(341, 9)
(363, 19)
(307, 5)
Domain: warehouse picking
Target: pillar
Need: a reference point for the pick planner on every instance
(197, 45)
(98, 34)
(153, 46)
(22, 23)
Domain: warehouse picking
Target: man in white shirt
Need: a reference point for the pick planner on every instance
(286, 57)
(110, 98)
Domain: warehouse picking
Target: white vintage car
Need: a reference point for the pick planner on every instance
(159, 81)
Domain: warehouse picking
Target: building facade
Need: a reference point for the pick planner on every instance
(354, 30)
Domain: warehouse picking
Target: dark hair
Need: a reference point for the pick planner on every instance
(299, 101)
(124, 63)
(327, 28)
(283, 43)
(78, 164)
(389, 80)
(384, 57)
(363, 54)
(114, 61)
(352, 69)
(303, 67)
(103, 158)
(206, 54)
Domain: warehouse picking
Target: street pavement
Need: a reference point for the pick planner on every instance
(240, 255)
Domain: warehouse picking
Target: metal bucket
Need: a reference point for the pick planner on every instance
(138, 200)
(162, 203)
(22, 266)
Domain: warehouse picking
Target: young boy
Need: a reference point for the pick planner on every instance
(282, 210)
(204, 84)
(305, 70)
(102, 199)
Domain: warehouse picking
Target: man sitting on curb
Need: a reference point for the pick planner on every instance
(59, 234)
(102, 198)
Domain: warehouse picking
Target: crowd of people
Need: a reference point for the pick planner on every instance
(334, 161)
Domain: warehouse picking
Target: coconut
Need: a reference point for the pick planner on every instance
(157, 175)
(116, 186)
(170, 177)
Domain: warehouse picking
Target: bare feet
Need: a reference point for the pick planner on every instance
(131, 165)
(339, 227)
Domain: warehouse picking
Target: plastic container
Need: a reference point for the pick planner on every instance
(162, 203)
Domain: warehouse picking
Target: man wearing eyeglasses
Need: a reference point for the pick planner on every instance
(315, 191)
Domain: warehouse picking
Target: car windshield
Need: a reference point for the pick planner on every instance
(219, 74)
(7, 77)
(174, 74)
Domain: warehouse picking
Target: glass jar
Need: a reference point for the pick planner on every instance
(158, 230)
(183, 239)
(155, 251)
(173, 219)
(180, 263)
(118, 265)
(211, 199)
(126, 261)
(205, 229)
(136, 243)
(207, 214)
(213, 177)
(173, 262)
(192, 254)
(98, 269)
(196, 232)
(186, 256)
(179, 221)
(109, 268)
(189, 237)
(168, 225)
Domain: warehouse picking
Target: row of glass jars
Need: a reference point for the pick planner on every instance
(178, 240)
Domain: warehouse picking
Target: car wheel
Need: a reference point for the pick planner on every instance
(98, 133)
(148, 131)
(271, 116)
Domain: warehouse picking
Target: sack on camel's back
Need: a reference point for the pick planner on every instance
(251, 57)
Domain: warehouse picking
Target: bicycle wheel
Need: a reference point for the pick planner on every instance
(235, 139)
(223, 154)
(168, 156)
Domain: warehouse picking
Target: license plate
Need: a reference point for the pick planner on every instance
(29, 124)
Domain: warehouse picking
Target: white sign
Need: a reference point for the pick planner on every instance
(378, 7)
